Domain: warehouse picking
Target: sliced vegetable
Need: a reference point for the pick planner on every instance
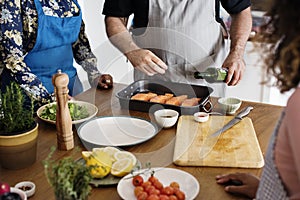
(77, 112)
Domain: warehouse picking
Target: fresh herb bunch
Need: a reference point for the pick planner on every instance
(69, 178)
(77, 112)
(16, 110)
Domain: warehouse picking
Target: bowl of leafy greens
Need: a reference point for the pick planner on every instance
(80, 111)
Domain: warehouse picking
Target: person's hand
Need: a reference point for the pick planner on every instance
(247, 186)
(105, 81)
(70, 98)
(147, 62)
(236, 68)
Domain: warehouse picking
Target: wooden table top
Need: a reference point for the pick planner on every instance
(264, 118)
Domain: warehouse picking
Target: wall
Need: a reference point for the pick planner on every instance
(110, 60)
(250, 87)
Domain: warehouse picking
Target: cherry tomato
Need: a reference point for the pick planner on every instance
(179, 194)
(142, 196)
(164, 197)
(146, 183)
(152, 179)
(154, 191)
(138, 190)
(153, 197)
(167, 190)
(158, 185)
(173, 197)
(149, 188)
(137, 180)
(174, 185)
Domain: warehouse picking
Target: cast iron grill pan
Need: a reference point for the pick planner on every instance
(160, 88)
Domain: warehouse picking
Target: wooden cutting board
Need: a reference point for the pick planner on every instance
(236, 147)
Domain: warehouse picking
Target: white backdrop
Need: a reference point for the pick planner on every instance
(110, 60)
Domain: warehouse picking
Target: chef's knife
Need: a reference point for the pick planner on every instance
(234, 121)
(212, 139)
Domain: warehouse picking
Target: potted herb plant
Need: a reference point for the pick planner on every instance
(69, 178)
(18, 128)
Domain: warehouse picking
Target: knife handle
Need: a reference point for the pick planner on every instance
(244, 112)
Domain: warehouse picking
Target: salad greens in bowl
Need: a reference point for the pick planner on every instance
(80, 111)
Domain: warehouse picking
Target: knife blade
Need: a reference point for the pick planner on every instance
(234, 121)
(212, 139)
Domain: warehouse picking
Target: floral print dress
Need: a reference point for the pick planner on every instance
(19, 22)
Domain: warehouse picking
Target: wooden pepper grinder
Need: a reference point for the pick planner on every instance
(65, 139)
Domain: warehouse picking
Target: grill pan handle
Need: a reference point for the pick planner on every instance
(210, 106)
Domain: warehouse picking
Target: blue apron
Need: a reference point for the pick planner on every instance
(53, 49)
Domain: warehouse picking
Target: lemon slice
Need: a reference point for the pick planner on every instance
(97, 149)
(101, 162)
(125, 154)
(102, 157)
(121, 167)
(86, 154)
(111, 151)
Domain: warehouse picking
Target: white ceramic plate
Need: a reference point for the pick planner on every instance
(188, 183)
(116, 131)
(91, 108)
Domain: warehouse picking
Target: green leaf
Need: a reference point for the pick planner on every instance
(69, 178)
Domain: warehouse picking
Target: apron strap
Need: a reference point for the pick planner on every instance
(217, 16)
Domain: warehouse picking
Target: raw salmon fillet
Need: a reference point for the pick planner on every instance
(161, 98)
(177, 101)
(191, 102)
(143, 96)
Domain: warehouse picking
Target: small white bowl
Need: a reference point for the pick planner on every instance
(26, 186)
(230, 105)
(166, 117)
(201, 116)
(20, 192)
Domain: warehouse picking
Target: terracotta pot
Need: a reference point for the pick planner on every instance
(18, 151)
